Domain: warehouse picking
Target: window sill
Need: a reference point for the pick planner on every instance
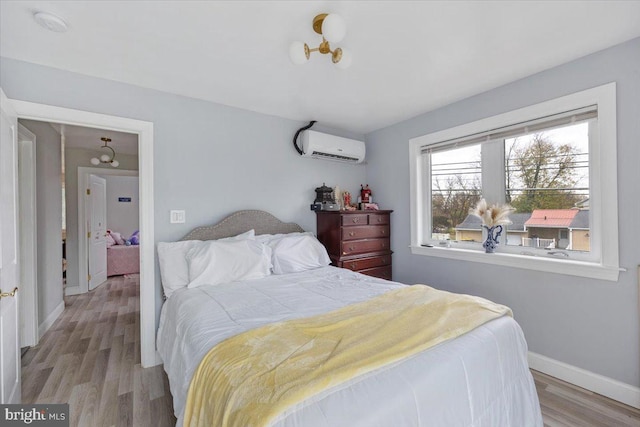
(528, 262)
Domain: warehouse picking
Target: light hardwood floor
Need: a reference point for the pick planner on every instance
(566, 405)
(90, 358)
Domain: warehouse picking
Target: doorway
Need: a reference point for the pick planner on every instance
(144, 131)
(122, 213)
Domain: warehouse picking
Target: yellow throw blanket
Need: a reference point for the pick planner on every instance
(251, 378)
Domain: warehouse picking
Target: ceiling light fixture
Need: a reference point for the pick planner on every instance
(332, 29)
(50, 22)
(105, 158)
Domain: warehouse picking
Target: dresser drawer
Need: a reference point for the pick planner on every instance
(380, 272)
(364, 263)
(378, 219)
(363, 246)
(356, 219)
(365, 232)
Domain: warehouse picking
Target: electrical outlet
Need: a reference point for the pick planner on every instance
(177, 217)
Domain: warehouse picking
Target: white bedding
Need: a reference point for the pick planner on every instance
(479, 379)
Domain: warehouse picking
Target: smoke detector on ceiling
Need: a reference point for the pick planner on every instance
(50, 22)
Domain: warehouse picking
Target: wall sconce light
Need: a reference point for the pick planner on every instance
(106, 158)
(332, 29)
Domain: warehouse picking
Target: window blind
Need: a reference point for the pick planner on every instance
(517, 129)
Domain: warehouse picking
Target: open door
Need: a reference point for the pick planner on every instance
(9, 316)
(97, 236)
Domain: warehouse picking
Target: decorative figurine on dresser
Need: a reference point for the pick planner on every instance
(358, 240)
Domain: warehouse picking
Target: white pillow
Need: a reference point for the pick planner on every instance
(298, 253)
(215, 262)
(172, 256)
(272, 238)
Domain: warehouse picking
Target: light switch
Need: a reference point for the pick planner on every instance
(177, 217)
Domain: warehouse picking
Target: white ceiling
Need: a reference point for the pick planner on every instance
(410, 57)
(89, 138)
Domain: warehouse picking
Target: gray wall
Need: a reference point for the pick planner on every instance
(209, 159)
(122, 216)
(49, 212)
(587, 323)
(73, 159)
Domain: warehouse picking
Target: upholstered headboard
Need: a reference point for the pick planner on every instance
(239, 222)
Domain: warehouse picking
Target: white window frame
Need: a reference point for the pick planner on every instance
(603, 188)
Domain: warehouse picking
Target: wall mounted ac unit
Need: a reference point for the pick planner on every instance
(324, 146)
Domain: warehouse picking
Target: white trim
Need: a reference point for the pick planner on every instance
(613, 389)
(72, 290)
(603, 185)
(50, 320)
(83, 250)
(28, 236)
(144, 130)
(527, 262)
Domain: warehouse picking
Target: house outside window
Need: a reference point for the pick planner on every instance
(547, 161)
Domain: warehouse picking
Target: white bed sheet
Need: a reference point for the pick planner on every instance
(479, 379)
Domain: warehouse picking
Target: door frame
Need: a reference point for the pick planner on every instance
(83, 248)
(28, 238)
(50, 113)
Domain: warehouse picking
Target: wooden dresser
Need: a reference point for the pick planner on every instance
(357, 240)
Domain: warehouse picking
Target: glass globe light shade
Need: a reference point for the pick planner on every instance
(345, 61)
(333, 28)
(115, 163)
(297, 53)
(105, 158)
(95, 161)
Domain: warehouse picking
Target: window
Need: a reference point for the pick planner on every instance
(554, 162)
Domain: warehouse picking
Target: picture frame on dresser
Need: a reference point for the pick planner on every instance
(358, 240)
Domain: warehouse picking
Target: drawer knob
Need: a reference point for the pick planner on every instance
(379, 219)
(383, 232)
(353, 265)
(351, 234)
(351, 248)
(384, 245)
(356, 219)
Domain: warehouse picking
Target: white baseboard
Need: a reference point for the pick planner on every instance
(72, 290)
(597, 383)
(51, 318)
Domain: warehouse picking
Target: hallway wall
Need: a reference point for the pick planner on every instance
(49, 221)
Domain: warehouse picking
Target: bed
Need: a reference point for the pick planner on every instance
(123, 259)
(478, 379)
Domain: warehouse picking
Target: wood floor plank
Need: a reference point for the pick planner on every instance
(125, 410)
(76, 402)
(108, 403)
(141, 401)
(33, 384)
(91, 405)
(100, 367)
(61, 370)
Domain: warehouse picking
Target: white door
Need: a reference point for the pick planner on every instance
(9, 319)
(97, 217)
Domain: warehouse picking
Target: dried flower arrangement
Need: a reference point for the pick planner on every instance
(492, 215)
